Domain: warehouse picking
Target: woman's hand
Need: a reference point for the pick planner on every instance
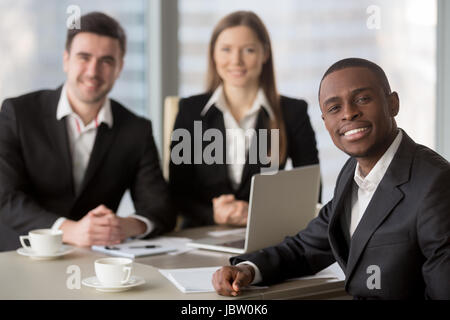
(228, 210)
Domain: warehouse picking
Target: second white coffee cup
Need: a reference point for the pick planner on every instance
(113, 271)
(43, 241)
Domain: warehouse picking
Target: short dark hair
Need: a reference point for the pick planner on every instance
(359, 63)
(101, 24)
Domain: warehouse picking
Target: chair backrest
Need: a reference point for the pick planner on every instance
(170, 114)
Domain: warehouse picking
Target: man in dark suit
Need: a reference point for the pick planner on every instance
(68, 155)
(388, 224)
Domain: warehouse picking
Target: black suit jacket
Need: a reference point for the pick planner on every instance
(194, 185)
(36, 182)
(405, 231)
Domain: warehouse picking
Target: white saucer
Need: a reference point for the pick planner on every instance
(65, 249)
(94, 283)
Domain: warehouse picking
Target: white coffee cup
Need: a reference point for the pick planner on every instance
(43, 241)
(113, 271)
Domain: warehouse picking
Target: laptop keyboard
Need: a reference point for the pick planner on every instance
(234, 244)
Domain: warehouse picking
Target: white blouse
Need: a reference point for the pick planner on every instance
(237, 133)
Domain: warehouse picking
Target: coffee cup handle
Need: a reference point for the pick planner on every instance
(127, 278)
(22, 241)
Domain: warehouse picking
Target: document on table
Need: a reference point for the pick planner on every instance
(140, 248)
(192, 280)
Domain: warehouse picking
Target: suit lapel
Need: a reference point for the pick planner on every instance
(57, 132)
(213, 119)
(250, 169)
(384, 200)
(338, 243)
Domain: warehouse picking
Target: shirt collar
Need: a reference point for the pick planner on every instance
(218, 99)
(371, 181)
(64, 109)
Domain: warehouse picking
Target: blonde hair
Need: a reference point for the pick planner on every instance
(267, 78)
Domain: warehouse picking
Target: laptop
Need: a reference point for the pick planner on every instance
(280, 205)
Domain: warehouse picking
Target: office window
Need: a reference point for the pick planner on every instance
(33, 39)
(308, 36)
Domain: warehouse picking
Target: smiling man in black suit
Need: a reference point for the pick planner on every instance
(68, 155)
(388, 224)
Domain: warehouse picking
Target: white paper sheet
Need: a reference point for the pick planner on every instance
(193, 280)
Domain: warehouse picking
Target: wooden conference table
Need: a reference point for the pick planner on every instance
(23, 278)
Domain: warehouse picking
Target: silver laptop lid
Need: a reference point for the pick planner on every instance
(281, 205)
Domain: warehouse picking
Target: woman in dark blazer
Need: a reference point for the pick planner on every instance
(240, 127)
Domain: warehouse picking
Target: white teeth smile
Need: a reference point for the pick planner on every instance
(354, 131)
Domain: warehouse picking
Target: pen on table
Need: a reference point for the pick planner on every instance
(149, 246)
(111, 248)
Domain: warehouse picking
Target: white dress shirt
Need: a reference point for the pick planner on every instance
(81, 141)
(363, 191)
(237, 141)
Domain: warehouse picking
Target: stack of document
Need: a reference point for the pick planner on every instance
(140, 248)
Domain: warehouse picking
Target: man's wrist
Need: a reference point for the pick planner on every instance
(57, 224)
(65, 226)
(256, 274)
(135, 226)
(251, 270)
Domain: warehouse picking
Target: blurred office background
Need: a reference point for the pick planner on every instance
(167, 54)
